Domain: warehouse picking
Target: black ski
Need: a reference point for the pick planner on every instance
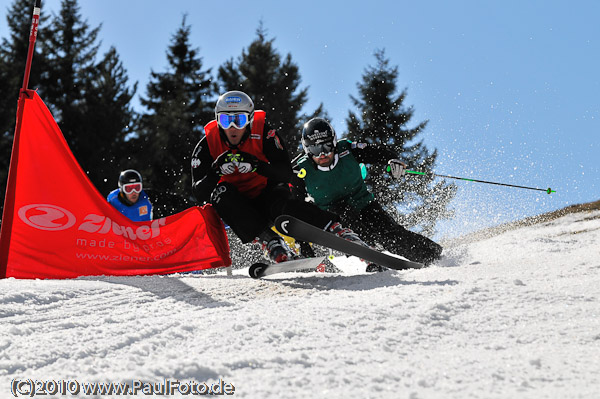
(259, 269)
(300, 230)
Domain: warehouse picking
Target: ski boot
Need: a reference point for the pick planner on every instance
(274, 247)
(349, 235)
(346, 233)
(278, 251)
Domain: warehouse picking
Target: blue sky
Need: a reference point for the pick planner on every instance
(510, 88)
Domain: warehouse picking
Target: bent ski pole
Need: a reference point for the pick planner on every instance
(414, 172)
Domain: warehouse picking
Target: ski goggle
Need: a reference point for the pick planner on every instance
(238, 120)
(318, 149)
(132, 188)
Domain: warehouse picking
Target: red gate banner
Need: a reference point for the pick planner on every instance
(62, 227)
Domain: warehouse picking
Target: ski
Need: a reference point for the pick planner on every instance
(258, 270)
(300, 230)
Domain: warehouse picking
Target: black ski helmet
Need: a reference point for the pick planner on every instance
(318, 137)
(129, 176)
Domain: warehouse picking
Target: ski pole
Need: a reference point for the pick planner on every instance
(32, 36)
(9, 198)
(414, 172)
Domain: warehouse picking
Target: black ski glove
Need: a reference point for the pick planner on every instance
(246, 163)
(228, 162)
(224, 164)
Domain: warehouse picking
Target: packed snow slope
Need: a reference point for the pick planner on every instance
(516, 315)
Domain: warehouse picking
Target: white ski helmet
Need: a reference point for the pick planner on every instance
(234, 102)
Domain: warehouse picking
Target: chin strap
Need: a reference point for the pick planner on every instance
(336, 158)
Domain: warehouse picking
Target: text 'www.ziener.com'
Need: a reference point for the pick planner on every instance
(30, 387)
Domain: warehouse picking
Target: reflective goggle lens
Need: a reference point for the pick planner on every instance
(132, 187)
(238, 120)
(316, 150)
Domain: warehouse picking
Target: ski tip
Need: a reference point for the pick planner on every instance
(257, 270)
(281, 223)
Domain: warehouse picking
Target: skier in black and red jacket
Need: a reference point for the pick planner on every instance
(242, 168)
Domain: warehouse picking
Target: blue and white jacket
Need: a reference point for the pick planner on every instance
(141, 211)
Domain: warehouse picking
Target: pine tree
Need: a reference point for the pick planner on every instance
(383, 119)
(272, 83)
(89, 99)
(109, 120)
(71, 47)
(179, 102)
(13, 57)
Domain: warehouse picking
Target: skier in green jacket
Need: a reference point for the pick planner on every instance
(329, 174)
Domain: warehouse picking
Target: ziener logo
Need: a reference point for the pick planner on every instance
(47, 217)
(55, 218)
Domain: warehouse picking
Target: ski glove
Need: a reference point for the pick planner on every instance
(228, 162)
(224, 165)
(397, 168)
(246, 163)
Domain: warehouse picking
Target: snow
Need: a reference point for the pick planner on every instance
(516, 315)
